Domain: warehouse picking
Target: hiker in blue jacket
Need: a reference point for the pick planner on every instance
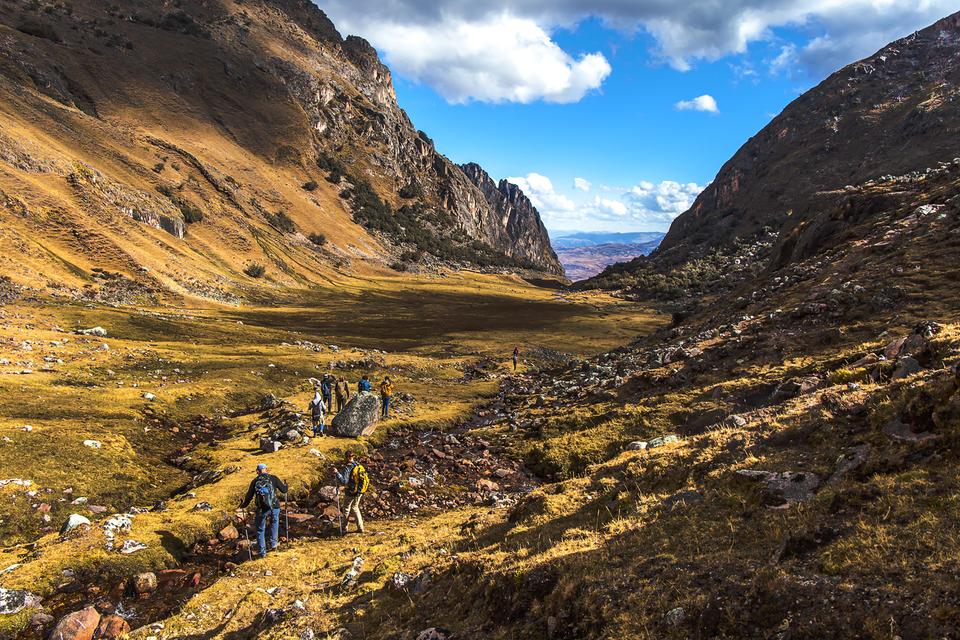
(266, 489)
(364, 384)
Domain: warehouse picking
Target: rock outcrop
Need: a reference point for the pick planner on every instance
(359, 417)
(886, 114)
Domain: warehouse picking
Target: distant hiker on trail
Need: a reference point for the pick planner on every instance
(342, 390)
(317, 410)
(265, 489)
(386, 392)
(364, 384)
(356, 481)
(516, 357)
(326, 388)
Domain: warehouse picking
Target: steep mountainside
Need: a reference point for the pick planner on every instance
(892, 113)
(177, 145)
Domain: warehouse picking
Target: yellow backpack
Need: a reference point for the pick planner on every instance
(359, 480)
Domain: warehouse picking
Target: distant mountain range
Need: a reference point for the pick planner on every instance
(572, 240)
(584, 254)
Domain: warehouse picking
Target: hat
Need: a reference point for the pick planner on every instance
(261, 467)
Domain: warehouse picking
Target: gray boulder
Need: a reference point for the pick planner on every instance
(359, 417)
(14, 600)
(787, 487)
(74, 521)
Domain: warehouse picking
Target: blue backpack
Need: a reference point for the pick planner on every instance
(266, 495)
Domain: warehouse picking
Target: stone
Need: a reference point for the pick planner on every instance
(682, 498)
(112, 627)
(850, 461)
(269, 445)
(898, 430)
(149, 397)
(269, 402)
(435, 633)
(132, 546)
(662, 440)
(293, 436)
(98, 331)
(144, 583)
(41, 620)
(228, 533)
(16, 600)
(866, 361)
(637, 445)
(906, 367)
(786, 487)
(737, 421)
(79, 625)
(892, 350)
(74, 521)
(359, 417)
(93, 444)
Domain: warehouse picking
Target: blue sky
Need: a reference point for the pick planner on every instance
(642, 100)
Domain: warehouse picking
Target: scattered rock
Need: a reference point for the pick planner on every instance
(99, 332)
(112, 627)
(132, 546)
(662, 440)
(683, 498)
(675, 617)
(149, 397)
(786, 487)
(902, 432)
(93, 444)
(850, 461)
(269, 402)
(79, 625)
(75, 520)
(637, 445)
(359, 417)
(269, 445)
(14, 601)
(144, 583)
(906, 366)
(435, 633)
(228, 533)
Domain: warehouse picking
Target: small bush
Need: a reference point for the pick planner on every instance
(411, 190)
(310, 185)
(318, 239)
(334, 168)
(255, 270)
(400, 266)
(157, 168)
(191, 214)
(282, 221)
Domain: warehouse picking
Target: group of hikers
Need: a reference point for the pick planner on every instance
(336, 388)
(265, 490)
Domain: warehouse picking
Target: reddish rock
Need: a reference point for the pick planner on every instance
(79, 625)
(299, 517)
(228, 533)
(112, 627)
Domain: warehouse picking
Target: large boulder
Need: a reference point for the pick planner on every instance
(359, 417)
(14, 600)
(79, 625)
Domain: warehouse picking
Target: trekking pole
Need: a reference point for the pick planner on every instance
(339, 512)
(246, 535)
(286, 516)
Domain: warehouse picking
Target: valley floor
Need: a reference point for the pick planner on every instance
(164, 408)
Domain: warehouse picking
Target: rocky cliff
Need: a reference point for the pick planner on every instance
(892, 113)
(514, 222)
(245, 132)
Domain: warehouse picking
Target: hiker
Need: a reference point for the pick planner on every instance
(264, 490)
(317, 410)
(516, 357)
(386, 392)
(364, 384)
(342, 390)
(356, 481)
(326, 388)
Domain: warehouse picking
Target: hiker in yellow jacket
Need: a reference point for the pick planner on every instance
(386, 392)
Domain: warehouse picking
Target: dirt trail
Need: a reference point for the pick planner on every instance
(414, 473)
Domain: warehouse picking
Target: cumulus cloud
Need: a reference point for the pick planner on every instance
(701, 103)
(498, 58)
(503, 50)
(582, 184)
(543, 195)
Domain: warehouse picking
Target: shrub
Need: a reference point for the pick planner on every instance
(310, 185)
(334, 168)
(400, 266)
(318, 239)
(411, 190)
(282, 221)
(191, 214)
(255, 270)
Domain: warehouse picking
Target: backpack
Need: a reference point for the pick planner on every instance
(359, 480)
(266, 495)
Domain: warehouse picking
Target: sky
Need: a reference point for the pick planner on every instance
(612, 115)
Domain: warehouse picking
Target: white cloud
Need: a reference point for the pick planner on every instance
(502, 50)
(608, 205)
(540, 190)
(582, 184)
(499, 58)
(701, 103)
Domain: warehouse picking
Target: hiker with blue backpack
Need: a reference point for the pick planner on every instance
(355, 481)
(264, 491)
(326, 388)
(364, 385)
